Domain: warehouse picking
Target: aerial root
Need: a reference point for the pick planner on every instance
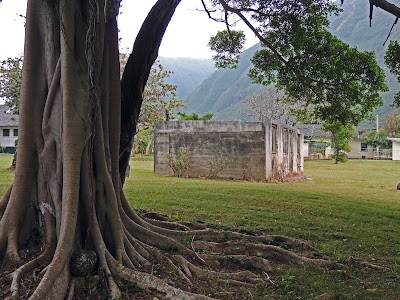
(230, 258)
(161, 221)
(185, 274)
(355, 261)
(140, 252)
(4, 201)
(38, 263)
(240, 278)
(200, 230)
(71, 290)
(254, 263)
(109, 283)
(269, 252)
(150, 282)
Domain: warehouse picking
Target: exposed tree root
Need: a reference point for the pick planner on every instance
(236, 260)
(355, 261)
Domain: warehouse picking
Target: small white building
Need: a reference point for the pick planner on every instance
(395, 148)
(8, 129)
(317, 144)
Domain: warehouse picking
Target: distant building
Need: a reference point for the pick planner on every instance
(8, 129)
(230, 149)
(395, 148)
(317, 144)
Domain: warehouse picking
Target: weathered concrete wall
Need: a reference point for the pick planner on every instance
(230, 149)
(224, 149)
(284, 155)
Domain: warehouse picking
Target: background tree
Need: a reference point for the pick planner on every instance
(10, 87)
(274, 105)
(391, 124)
(193, 116)
(10, 82)
(392, 60)
(159, 103)
(378, 139)
(159, 98)
(340, 139)
(302, 58)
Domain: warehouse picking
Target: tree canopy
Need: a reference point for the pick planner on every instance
(194, 116)
(392, 60)
(340, 139)
(378, 139)
(301, 57)
(10, 82)
(391, 124)
(159, 98)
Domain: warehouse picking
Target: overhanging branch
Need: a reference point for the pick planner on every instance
(387, 6)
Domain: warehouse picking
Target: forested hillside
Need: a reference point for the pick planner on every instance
(224, 88)
(188, 73)
(223, 92)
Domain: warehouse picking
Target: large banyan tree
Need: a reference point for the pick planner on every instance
(73, 149)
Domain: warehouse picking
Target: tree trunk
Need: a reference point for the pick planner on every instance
(67, 173)
(136, 73)
(150, 143)
(337, 153)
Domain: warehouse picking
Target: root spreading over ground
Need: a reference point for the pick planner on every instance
(159, 257)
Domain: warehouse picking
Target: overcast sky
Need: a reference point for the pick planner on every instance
(187, 35)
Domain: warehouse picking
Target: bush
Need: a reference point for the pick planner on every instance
(343, 157)
(180, 166)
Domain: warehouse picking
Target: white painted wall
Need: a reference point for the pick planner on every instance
(8, 141)
(396, 150)
(356, 150)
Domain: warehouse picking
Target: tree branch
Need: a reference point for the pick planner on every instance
(387, 6)
(263, 40)
(136, 73)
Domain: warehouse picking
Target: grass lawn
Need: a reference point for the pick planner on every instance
(345, 210)
(350, 209)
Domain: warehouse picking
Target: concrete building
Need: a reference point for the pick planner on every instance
(230, 149)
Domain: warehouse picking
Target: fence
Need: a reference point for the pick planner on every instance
(385, 154)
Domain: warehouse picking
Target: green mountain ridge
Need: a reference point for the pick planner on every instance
(188, 73)
(223, 92)
(224, 88)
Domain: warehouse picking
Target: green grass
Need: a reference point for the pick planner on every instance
(350, 209)
(6, 176)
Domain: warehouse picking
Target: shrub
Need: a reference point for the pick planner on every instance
(179, 165)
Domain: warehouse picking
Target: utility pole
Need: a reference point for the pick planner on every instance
(377, 132)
